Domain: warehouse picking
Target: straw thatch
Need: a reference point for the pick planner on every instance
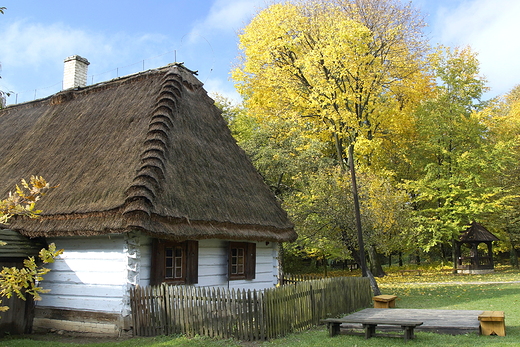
(148, 151)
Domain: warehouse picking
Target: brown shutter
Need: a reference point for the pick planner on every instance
(230, 244)
(157, 266)
(192, 262)
(251, 261)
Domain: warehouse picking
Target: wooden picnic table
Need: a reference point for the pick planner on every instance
(369, 325)
(453, 322)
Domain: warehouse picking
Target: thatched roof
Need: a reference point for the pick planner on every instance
(148, 151)
(477, 233)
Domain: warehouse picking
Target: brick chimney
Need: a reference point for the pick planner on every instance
(75, 72)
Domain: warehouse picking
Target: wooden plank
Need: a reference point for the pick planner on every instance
(375, 321)
(439, 321)
(370, 325)
(497, 316)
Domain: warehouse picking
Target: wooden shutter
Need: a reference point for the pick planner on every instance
(192, 262)
(251, 261)
(157, 266)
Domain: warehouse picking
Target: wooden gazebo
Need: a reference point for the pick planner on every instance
(469, 258)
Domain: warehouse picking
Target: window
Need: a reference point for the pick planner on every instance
(242, 260)
(174, 262)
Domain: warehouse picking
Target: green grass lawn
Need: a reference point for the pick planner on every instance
(431, 290)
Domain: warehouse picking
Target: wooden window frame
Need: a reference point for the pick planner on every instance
(235, 252)
(188, 266)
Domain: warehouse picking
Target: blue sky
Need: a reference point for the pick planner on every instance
(123, 37)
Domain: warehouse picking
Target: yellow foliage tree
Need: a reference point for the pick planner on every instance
(502, 119)
(24, 281)
(353, 68)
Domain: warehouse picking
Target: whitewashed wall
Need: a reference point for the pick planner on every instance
(91, 274)
(213, 267)
(94, 273)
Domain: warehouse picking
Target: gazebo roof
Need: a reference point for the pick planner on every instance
(477, 233)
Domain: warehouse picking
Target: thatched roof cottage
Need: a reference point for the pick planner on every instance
(152, 188)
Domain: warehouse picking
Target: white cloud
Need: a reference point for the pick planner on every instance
(489, 27)
(218, 86)
(34, 44)
(32, 55)
(226, 16)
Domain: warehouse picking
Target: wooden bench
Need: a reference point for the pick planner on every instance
(384, 301)
(492, 323)
(369, 325)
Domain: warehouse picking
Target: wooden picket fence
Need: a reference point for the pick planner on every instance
(291, 279)
(245, 315)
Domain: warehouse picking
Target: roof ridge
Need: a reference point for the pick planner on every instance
(141, 195)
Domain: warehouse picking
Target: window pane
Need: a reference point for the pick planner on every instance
(168, 268)
(178, 262)
(237, 261)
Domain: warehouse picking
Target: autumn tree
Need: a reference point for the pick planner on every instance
(348, 68)
(301, 170)
(502, 119)
(454, 160)
(24, 281)
(293, 163)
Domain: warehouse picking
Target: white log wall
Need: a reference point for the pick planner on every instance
(94, 273)
(91, 274)
(213, 265)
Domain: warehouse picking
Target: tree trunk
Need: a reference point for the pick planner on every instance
(364, 270)
(362, 262)
(325, 266)
(354, 252)
(514, 255)
(454, 254)
(373, 283)
(357, 210)
(371, 278)
(444, 253)
(281, 263)
(375, 262)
